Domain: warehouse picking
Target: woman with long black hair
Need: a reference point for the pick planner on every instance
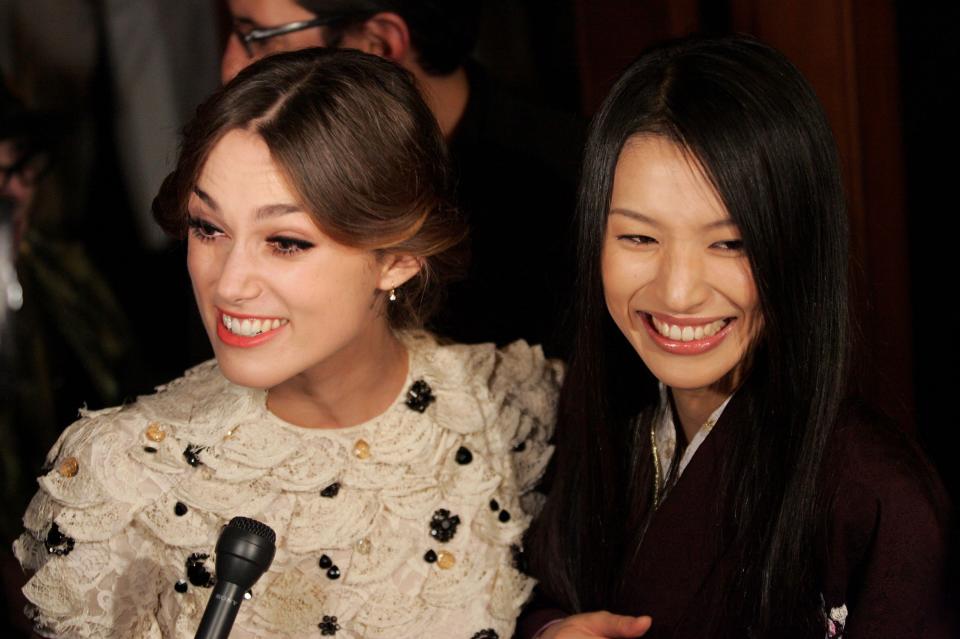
(723, 483)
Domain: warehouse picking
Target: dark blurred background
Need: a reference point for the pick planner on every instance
(119, 78)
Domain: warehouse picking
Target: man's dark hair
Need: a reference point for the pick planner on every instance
(442, 32)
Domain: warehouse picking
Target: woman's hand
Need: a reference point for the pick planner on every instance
(597, 625)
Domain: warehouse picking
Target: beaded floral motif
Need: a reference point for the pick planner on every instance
(443, 525)
(192, 454)
(328, 626)
(57, 543)
(197, 571)
(420, 396)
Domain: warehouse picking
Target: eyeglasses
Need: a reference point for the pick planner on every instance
(29, 167)
(253, 40)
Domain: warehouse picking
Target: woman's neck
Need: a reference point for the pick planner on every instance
(694, 407)
(348, 388)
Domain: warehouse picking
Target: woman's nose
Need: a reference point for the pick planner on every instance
(680, 277)
(237, 281)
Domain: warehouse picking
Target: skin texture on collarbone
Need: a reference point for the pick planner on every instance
(286, 307)
(676, 280)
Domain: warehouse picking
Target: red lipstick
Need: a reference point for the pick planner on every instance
(694, 347)
(243, 341)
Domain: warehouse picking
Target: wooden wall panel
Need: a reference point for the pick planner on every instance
(611, 33)
(847, 50)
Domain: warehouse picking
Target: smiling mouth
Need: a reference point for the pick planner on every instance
(687, 333)
(249, 327)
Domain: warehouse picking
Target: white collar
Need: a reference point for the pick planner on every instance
(665, 434)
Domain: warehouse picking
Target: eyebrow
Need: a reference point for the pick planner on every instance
(640, 217)
(268, 210)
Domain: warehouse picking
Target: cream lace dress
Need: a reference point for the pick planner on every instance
(408, 525)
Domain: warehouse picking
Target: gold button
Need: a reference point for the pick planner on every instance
(69, 467)
(446, 559)
(361, 449)
(364, 546)
(155, 432)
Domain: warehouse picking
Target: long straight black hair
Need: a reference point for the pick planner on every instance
(754, 125)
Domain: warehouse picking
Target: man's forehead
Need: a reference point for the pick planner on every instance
(265, 13)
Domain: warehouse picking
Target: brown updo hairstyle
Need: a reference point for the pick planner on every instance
(358, 146)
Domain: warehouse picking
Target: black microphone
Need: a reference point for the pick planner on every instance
(244, 552)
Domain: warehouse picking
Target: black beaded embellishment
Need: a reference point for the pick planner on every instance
(328, 626)
(180, 509)
(443, 525)
(519, 558)
(419, 396)
(494, 505)
(464, 456)
(486, 633)
(180, 586)
(149, 449)
(333, 573)
(197, 572)
(192, 454)
(325, 562)
(430, 556)
(504, 516)
(57, 543)
(331, 490)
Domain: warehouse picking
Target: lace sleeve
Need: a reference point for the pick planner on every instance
(93, 572)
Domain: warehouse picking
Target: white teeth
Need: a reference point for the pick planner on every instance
(687, 333)
(248, 327)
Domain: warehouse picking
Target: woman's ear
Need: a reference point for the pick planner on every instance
(386, 34)
(395, 270)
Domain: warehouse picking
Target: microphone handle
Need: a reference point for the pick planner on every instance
(222, 609)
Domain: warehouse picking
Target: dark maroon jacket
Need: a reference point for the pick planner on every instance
(882, 553)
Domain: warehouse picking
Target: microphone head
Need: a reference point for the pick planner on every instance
(244, 551)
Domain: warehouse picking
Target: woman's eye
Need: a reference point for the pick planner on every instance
(288, 245)
(637, 240)
(735, 246)
(203, 230)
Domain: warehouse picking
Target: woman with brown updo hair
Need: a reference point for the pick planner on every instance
(312, 191)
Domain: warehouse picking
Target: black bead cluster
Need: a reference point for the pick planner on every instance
(486, 633)
(197, 571)
(192, 454)
(504, 515)
(331, 490)
(463, 456)
(443, 525)
(420, 396)
(333, 572)
(328, 626)
(57, 543)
